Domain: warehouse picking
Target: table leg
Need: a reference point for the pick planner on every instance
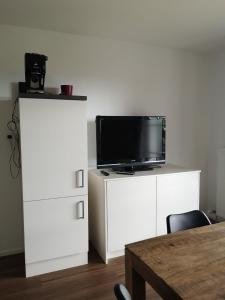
(134, 281)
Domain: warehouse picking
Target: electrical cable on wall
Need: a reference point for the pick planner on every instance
(14, 139)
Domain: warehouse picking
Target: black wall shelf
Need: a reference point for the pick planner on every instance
(51, 96)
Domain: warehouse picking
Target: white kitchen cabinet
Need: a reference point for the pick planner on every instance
(53, 148)
(131, 205)
(53, 135)
(125, 209)
(176, 193)
(55, 228)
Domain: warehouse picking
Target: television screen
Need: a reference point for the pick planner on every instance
(128, 141)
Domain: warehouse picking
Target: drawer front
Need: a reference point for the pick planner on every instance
(55, 228)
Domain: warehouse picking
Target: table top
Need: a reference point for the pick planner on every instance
(190, 262)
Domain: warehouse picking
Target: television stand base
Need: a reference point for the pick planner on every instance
(135, 168)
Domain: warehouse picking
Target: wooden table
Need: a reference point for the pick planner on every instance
(184, 265)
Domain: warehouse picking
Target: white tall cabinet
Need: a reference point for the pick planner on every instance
(126, 209)
(54, 181)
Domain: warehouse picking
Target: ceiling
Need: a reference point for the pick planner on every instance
(187, 24)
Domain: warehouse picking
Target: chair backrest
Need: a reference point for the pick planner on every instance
(188, 220)
(121, 292)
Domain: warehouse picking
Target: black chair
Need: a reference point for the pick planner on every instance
(188, 220)
(121, 292)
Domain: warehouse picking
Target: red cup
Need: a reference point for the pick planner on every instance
(67, 89)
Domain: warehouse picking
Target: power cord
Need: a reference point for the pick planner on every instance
(14, 139)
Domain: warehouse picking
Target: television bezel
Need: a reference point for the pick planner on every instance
(102, 165)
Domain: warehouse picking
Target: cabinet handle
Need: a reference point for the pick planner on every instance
(80, 210)
(80, 178)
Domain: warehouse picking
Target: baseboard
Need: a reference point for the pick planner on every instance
(11, 251)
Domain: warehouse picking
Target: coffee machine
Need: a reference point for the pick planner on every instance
(35, 68)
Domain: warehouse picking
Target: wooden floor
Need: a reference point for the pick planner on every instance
(94, 281)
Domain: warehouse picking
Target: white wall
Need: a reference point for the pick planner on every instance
(216, 136)
(119, 78)
(11, 232)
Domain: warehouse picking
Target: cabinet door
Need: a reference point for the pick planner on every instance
(131, 211)
(176, 193)
(55, 228)
(53, 148)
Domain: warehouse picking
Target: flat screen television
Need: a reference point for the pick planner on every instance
(130, 142)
